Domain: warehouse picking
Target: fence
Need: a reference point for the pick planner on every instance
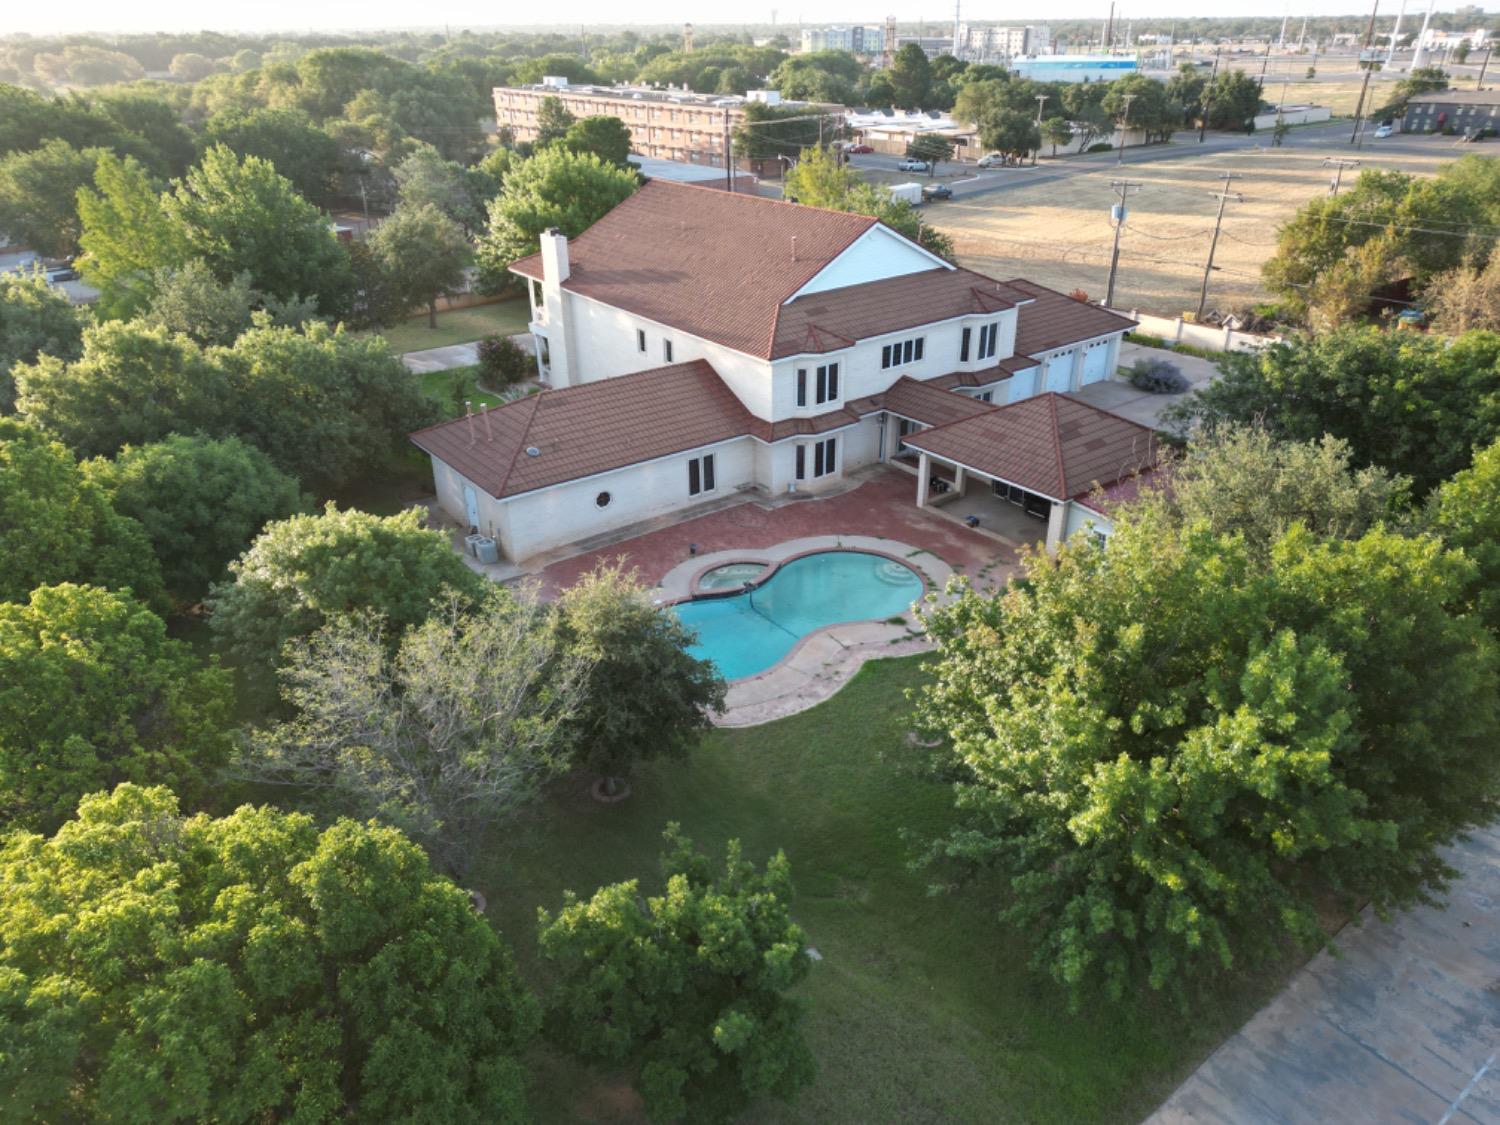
(1210, 337)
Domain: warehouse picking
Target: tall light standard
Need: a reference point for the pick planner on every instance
(1124, 124)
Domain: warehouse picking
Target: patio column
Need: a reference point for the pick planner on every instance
(924, 470)
(958, 480)
(1057, 520)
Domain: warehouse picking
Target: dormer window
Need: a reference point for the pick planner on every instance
(989, 335)
(824, 380)
(902, 352)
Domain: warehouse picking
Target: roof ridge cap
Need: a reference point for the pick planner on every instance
(1062, 469)
(523, 443)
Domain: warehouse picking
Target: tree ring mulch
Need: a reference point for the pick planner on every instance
(604, 797)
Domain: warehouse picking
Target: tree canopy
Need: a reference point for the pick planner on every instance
(689, 987)
(161, 967)
(34, 318)
(37, 190)
(125, 235)
(820, 181)
(1465, 512)
(92, 693)
(424, 252)
(606, 137)
(286, 138)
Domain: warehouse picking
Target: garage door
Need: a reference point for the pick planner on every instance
(1096, 362)
(1060, 373)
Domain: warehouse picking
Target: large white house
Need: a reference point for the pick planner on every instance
(695, 343)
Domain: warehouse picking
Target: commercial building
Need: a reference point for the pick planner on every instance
(987, 44)
(867, 40)
(664, 124)
(1459, 110)
(1075, 68)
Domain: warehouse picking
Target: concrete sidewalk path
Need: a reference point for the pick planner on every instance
(441, 359)
(1403, 1027)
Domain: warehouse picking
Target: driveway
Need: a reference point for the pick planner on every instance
(1403, 1027)
(1119, 397)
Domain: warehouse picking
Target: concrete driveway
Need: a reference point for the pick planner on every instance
(1119, 397)
(1403, 1027)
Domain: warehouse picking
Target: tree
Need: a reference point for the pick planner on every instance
(1422, 80)
(191, 67)
(1461, 52)
(820, 181)
(820, 76)
(555, 188)
(456, 191)
(1187, 88)
(1465, 513)
(1414, 405)
(911, 76)
(1232, 101)
(1172, 754)
(302, 572)
(248, 968)
(767, 131)
(192, 301)
(58, 526)
(134, 383)
(606, 137)
(424, 252)
(931, 147)
(34, 318)
(1150, 110)
(1057, 131)
(125, 235)
(37, 196)
(287, 139)
(689, 987)
(644, 694)
(95, 693)
(200, 500)
(1463, 299)
(1239, 480)
(1011, 132)
(444, 739)
(552, 121)
(241, 216)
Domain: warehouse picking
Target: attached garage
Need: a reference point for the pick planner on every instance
(1059, 376)
(1096, 362)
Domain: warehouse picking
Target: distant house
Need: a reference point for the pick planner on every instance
(697, 344)
(1460, 110)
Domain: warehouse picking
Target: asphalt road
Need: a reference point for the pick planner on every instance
(967, 181)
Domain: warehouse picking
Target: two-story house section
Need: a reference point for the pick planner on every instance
(695, 343)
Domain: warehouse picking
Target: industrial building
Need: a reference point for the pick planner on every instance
(1075, 68)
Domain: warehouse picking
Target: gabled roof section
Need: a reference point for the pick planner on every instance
(1050, 444)
(1055, 319)
(713, 263)
(921, 402)
(588, 429)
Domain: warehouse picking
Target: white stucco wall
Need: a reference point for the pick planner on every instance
(874, 256)
(1080, 518)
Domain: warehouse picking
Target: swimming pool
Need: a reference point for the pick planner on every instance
(747, 633)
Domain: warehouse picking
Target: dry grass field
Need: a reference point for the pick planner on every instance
(1058, 232)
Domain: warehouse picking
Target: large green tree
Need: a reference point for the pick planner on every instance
(818, 180)
(552, 121)
(1009, 131)
(606, 137)
(301, 572)
(458, 192)
(1465, 511)
(425, 254)
(689, 987)
(1174, 755)
(58, 526)
(93, 692)
(444, 738)
(1412, 404)
(200, 500)
(555, 188)
(911, 76)
(1138, 102)
(125, 235)
(166, 968)
(37, 195)
(644, 694)
(242, 216)
(1232, 100)
(287, 138)
(34, 318)
(190, 300)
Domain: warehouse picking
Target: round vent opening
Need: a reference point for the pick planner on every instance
(603, 499)
(533, 451)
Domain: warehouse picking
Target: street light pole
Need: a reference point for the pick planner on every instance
(1041, 100)
(1208, 97)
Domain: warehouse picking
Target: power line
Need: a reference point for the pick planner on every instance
(1223, 195)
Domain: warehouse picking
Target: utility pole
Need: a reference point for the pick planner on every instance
(1109, 28)
(1416, 58)
(1208, 97)
(1484, 66)
(1260, 83)
(1390, 56)
(1041, 100)
(1117, 213)
(1124, 125)
(1286, 15)
(1224, 195)
(1338, 176)
(1359, 106)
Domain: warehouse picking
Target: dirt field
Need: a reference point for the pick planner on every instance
(1058, 233)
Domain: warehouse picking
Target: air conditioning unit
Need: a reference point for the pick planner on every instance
(485, 549)
(471, 543)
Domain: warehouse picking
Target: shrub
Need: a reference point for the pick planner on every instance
(1145, 340)
(1157, 377)
(1100, 146)
(502, 361)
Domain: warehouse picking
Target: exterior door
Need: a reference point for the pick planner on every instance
(1060, 373)
(1096, 363)
(471, 505)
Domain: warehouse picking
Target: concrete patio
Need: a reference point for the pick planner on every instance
(1119, 397)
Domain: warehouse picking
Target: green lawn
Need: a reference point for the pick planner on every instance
(922, 1008)
(458, 326)
(438, 386)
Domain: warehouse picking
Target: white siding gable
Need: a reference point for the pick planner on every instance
(873, 256)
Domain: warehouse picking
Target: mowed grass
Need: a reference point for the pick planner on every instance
(450, 389)
(458, 326)
(922, 1009)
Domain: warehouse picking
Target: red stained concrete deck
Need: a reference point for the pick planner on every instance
(885, 506)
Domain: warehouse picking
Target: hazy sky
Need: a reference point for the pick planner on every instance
(305, 15)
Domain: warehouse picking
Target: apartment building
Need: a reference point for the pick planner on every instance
(866, 40)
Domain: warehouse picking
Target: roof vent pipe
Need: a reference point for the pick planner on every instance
(794, 247)
(469, 414)
(484, 409)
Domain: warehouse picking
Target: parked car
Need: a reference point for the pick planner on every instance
(1383, 132)
(58, 274)
(993, 160)
(859, 150)
(937, 191)
(912, 165)
(1472, 136)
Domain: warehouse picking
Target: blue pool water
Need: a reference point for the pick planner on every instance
(747, 633)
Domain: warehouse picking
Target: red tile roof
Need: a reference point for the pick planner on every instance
(712, 263)
(921, 402)
(592, 428)
(1056, 319)
(1051, 444)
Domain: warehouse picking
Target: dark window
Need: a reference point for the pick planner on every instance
(666, 350)
(640, 339)
(963, 348)
(920, 340)
(828, 383)
(904, 351)
(801, 386)
(708, 472)
(824, 456)
(536, 291)
(989, 336)
(802, 462)
(885, 356)
(695, 480)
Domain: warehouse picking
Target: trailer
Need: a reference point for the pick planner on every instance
(911, 193)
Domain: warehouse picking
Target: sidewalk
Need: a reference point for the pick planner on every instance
(454, 355)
